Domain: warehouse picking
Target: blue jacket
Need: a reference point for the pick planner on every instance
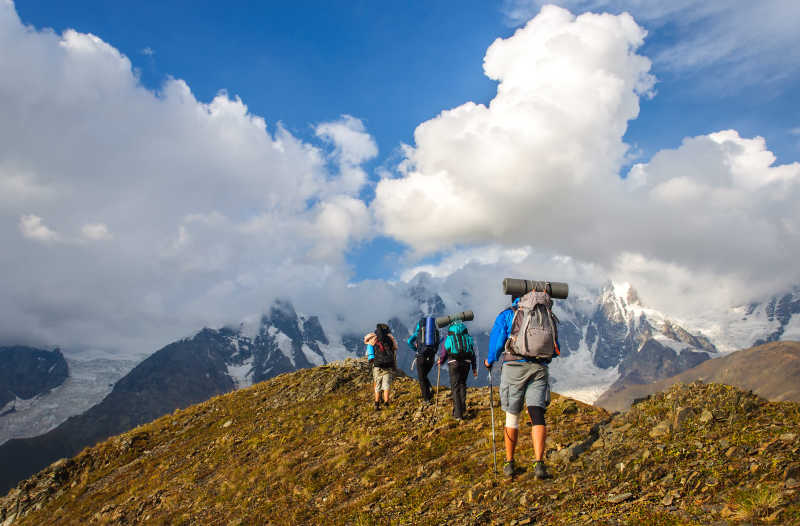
(500, 332)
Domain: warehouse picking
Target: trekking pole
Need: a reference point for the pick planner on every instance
(491, 407)
(436, 407)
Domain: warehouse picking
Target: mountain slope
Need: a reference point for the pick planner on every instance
(771, 370)
(307, 447)
(26, 372)
(182, 373)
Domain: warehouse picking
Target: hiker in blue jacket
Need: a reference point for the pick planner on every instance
(382, 356)
(523, 382)
(424, 342)
(458, 349)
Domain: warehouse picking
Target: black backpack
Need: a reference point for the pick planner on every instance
(384, 347)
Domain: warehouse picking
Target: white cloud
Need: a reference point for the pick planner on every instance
(567, 87)
(485, 255)
(148, 51)
(212, 211)
(352, 147)
(539, 166)
(32, 227)
(741, 40)
(96, 232)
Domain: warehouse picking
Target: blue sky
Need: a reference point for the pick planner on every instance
(155, 183)
(393, 65)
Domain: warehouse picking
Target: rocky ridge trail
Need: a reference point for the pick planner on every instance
(308, 447)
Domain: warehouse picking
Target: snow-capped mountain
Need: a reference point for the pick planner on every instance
(609, 339)
(280, 342)
(744, 326)
(86, 384)
(26, 372)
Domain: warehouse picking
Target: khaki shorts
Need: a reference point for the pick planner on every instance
(524, 384)
(382, 378)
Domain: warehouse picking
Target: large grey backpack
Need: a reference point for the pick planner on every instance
(534, 327)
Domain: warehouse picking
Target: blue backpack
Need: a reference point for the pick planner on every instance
(428, 337)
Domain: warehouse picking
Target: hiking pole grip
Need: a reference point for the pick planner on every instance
(443, 321)
(520, 287)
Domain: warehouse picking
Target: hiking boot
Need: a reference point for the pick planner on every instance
(377, 406)
(539, 471)
(508, 468)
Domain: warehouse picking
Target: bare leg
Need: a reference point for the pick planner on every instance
(386, 396)
(539, 434)
(511, 441)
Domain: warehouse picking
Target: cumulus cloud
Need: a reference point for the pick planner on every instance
(130, 217)
(567, 87)
(540, 166)
(96, 232)
(738, 39)
(32, 227)
(352, 147)
(457, 260)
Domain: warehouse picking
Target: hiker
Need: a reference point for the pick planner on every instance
(382, 355)
(459, 351)
(424, 342)
(524, 379)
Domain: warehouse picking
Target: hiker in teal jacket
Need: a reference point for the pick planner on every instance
(458, 349)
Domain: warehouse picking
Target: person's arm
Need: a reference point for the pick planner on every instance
(498, 337)
(412, 340)
(370, 352)
(442, 351)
